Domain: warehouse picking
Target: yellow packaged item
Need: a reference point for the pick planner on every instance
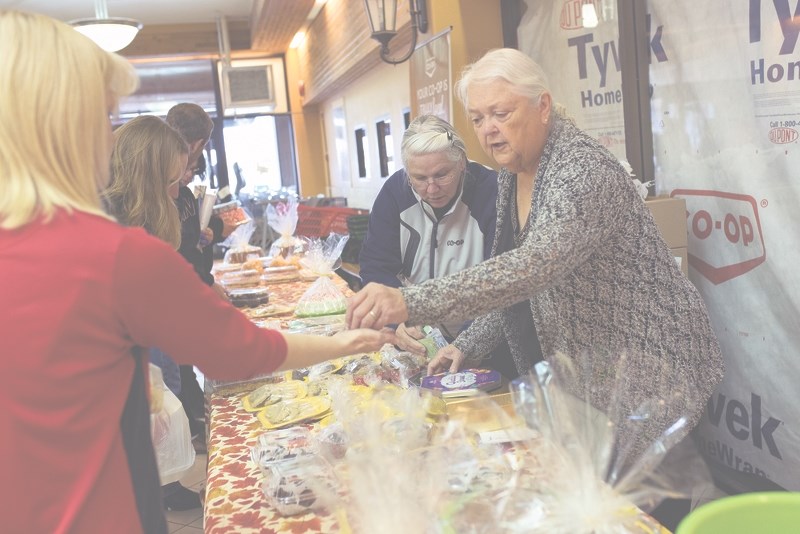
(270, 394)
(293, 412)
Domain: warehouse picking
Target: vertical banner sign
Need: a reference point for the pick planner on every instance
(582, 64)
(431, 92)
(725, 110)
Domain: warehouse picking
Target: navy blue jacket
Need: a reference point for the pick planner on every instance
(405, 237)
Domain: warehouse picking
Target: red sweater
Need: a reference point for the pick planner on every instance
(80, 297)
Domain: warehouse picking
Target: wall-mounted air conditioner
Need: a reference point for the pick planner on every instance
(251, 86)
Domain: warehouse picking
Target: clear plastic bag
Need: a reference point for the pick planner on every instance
(299, 486)
(321, 298)
(282, 217)
(606, 447)
(239, 248)
(322, 254)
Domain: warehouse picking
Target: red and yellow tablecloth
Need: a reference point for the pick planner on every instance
(234, 500)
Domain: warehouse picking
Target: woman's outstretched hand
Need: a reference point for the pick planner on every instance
(364, 340)
(375, 306)
(448, 359)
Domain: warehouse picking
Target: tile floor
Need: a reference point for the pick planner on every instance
(190, 521)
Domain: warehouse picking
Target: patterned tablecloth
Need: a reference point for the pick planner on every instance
(235, 502)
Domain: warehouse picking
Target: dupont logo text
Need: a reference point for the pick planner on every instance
(781, 136)
(725, 237)
(572, 15)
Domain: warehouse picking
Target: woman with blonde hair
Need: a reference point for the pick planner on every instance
(147, 164)
(82, 297)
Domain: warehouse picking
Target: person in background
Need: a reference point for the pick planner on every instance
(83, 296)
(148, 163)
(195, 127)
(578, 264)
(432, 218)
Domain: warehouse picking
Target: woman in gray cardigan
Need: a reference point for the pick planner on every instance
(579, 266)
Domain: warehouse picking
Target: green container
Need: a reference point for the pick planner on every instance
(748, 513)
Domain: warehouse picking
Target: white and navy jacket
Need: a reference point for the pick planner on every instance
(405, 237)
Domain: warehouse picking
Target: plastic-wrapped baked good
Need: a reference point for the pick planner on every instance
(242, 254)
(275, 275)
(281, 445)
(221, 269)
(240, 279)
(249, 297)
(321, 298)
(295, 487)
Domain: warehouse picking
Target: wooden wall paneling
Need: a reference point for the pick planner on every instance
(338, 48)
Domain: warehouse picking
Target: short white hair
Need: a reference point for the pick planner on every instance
(428, 134)
(516, 68)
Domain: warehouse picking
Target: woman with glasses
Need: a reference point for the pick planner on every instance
(433, 218)
(579, 266)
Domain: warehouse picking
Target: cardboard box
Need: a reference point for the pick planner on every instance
(682, 258)
(670, 216)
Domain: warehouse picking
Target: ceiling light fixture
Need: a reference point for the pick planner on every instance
(382, 15)
(110, 33)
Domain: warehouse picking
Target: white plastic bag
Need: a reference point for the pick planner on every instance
(169, 427)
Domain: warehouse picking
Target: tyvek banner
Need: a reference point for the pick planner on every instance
(726, 115)
(582, 64)
(725, 80)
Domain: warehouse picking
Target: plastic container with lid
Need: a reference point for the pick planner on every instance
(281, 445)
(249, 297)
(298, 486)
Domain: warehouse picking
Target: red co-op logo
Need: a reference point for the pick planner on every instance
(725, 236)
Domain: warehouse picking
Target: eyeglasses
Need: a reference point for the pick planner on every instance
(439, 181)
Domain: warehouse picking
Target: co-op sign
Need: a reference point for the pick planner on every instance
(725, 233)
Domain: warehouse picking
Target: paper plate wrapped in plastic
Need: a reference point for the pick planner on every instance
(282, 217)
(321, 298)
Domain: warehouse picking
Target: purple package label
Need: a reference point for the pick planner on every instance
(467, 379)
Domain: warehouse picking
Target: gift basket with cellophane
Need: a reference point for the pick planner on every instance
(599, 452)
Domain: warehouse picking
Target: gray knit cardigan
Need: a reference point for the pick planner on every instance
(600, 279)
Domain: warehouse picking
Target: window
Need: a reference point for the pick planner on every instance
(385, 147)
(340, 135)
(361, 151)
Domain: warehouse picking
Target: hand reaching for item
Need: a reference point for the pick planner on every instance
(407, 337)
(364, 340)
(448, 359)
(206, 237)
(375, 306)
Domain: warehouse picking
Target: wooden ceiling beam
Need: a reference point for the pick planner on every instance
(275, 23)
(182, 39)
